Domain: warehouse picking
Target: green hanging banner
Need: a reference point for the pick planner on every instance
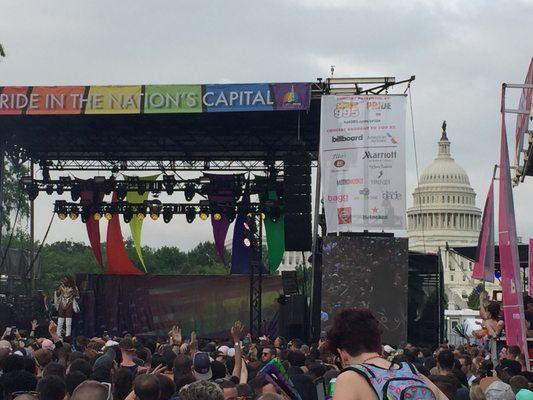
(136, 224)
(275, 235)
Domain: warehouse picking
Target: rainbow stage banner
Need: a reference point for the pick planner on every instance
(153, 99)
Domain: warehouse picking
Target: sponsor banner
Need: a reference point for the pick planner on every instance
(154, 99)
(362, 159)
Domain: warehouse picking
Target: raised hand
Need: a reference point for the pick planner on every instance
(52, 328)
(194, 339)
(34, 325)
(175, 335)
(236, 331)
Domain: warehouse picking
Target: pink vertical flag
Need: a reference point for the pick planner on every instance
(484, 265)
(530, 269)
(513, 305)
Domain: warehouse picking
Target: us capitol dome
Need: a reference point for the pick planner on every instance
(444, 205)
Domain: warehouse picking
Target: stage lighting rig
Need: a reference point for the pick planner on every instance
(168, 214)
(128, 214)
(190, 214)
(189, 191)
(155, 209)
(74, 212)
(169, 181)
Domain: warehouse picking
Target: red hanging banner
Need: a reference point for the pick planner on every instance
(93, 227)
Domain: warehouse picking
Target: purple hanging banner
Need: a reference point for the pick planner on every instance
(220, 227)
(240, 254)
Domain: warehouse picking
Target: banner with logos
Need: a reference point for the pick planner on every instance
(154, 99)
(362, 160)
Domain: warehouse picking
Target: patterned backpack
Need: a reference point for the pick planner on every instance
(394, 384)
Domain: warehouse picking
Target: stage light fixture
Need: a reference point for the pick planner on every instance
(141, 212)
(75, 192)
(236, 191)
(167, 214)
(204, 213)
(108, 216)
(85, 214)
(141, 188)
(60, 189)
(217, 216)
(169, 181)
(231, 214)
(190, 214)
(33, 191)
(189, 191)
(155, 209)
(62, 215)
(49, 189)
(97, 216)
(128, 214)
(121, 192)
(73, 215)
(46, 174)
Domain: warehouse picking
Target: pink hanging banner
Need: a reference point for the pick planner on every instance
(484, 265)
(513, 305)
(530, 269)
(526, 100)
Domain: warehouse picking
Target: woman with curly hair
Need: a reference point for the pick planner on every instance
(65, 300)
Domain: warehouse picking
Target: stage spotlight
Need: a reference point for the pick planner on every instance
(167, 214)
(189, 191)
(204, 213)
(155, 209)
(217, 216)
(73, 215)
(121, 192)
(128, 214)
(97, 216)
(49, 189)
(141, 188)
(275, 213)
(190, 214)
(141, 212)
(108, 216)
(85, 214)
(33, 191)
(46, 174)
(231, 214)
(75, 192)
(168, 182)
(60, 189)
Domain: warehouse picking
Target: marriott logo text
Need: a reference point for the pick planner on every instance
(379, 155)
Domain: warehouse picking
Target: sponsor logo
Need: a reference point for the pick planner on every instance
(392, 139)
(351, 181)
(339, 163)
(291, 97)
(375, 210)
(391, 195)
(379, 216)
(341, 138)
(380, 181)
(339, 198)
(346, 109)
(380, 174)
(364, 192)
(344, 215)
(386, 155)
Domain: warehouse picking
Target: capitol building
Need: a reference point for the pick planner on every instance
(444, 215)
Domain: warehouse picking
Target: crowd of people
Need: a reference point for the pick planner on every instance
(349, 362)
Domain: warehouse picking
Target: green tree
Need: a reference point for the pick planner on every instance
(14, 197)
(473, 298)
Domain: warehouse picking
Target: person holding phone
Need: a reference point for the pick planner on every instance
(66, 298)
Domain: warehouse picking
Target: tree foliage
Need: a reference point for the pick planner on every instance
(14, 197)
(473, 298)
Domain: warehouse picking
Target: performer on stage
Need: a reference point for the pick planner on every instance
(65, 300)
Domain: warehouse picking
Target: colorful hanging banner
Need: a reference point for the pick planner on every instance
(530, 270)
(93, 226)
(136, 224)
(221, 226)
(275, 236)
(484, 265)
(362, 162)
(118, 260)
(154, 99)
(513, 306)
(526, 101)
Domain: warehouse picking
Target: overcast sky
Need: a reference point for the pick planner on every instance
(460, 52)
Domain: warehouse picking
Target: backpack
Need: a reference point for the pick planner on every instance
(394, 384)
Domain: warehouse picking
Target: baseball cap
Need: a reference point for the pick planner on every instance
(202, 366)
